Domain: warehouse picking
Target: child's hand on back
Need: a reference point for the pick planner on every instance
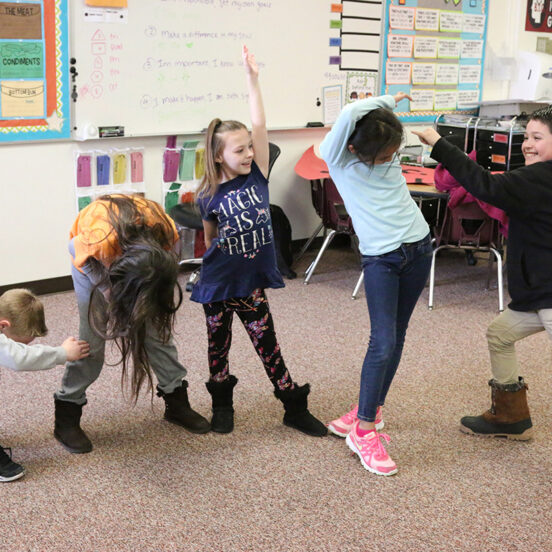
(399, 96)
(75, 349)
(427, 136)
(251, 67)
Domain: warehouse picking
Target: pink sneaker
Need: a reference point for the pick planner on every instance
(379, 419)
(371, 451)
(343, 425)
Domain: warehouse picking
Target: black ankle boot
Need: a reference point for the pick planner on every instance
(223, 412)
(178, 410)
(297, 414)
(67, 427)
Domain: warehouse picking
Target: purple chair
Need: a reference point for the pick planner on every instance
(334, 218)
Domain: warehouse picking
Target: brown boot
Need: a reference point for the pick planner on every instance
(508, 416)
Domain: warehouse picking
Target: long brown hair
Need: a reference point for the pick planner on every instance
(378, 131)
(214, 144)
(139, 286)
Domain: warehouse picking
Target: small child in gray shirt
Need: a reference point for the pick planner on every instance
(21, 320)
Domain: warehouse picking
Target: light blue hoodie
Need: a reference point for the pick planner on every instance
(376, 197)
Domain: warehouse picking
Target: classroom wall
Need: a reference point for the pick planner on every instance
(37, 197)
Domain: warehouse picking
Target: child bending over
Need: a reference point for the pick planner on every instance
(125, 276)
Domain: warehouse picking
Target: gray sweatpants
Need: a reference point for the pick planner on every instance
(507, 328)
(80, 374)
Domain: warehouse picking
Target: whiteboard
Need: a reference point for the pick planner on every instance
(170, 66)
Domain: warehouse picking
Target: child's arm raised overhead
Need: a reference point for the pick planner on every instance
(259, 134)
(334, 148)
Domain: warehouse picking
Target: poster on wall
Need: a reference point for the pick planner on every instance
(34, 73)
(539, 16)
(434, 50)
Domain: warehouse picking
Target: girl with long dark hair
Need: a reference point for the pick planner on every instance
(125, 277)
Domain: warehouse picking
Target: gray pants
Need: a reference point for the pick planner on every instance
(82, 373)
(507, 328)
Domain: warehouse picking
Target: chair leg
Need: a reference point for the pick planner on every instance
(498, 278)
(310, 270)
(358, 284)
(309, 241)
(432, 276)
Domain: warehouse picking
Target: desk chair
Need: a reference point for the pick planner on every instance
(469, 228)
(327, 203)
(335, 218)
(314, 169)
(190, 227)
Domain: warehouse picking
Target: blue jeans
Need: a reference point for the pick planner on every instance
(393, 284)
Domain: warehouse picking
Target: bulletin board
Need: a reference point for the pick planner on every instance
(434, 50)
(34, 70)
(162, 67)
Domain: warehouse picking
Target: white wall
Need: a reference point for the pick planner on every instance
(37, 198)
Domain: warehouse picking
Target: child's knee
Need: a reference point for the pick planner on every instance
(497, 337)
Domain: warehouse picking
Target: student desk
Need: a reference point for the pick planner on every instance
(427, 194)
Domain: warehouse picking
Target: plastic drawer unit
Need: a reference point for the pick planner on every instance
(498, 143)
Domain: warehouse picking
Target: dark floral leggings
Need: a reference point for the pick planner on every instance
(254, 313)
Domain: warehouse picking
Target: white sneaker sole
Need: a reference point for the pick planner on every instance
(366, 466)
(13, 478)
(336, 431)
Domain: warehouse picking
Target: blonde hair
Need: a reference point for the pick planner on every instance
(214, 144)
(24, 311)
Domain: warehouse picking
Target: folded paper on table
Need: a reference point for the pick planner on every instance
(418, 175)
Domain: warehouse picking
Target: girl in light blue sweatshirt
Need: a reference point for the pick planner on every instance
(361, 154)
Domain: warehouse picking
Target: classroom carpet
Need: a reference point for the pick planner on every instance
(149, 485)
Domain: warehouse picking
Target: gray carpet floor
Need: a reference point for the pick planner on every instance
(151, 486)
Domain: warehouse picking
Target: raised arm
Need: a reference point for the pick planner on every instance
(259, 134)
(334, 146)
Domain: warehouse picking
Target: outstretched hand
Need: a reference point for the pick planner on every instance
(75, 349)
(251, 67)
(399, 96)
(428, 136)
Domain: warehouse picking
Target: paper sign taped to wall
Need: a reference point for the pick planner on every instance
(22, 99)
(21, 60)
(107, 3)
(20, 20)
